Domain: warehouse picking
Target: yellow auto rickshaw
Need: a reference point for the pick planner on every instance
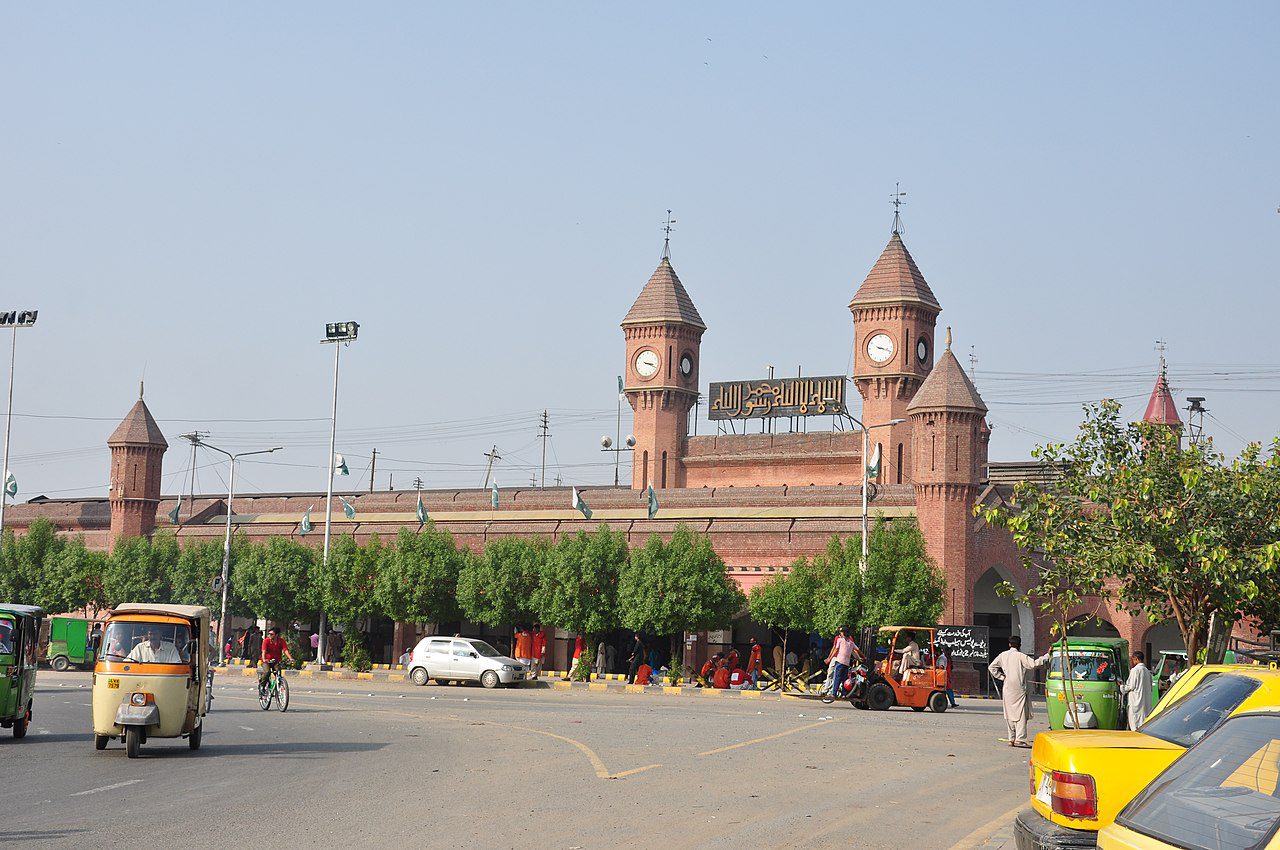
(151, 678)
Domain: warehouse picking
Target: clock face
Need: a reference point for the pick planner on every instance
(880, 348)
(647, 363)
(686, 365)
(922, 349)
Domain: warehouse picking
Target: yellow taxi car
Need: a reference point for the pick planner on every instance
(1224, 794)
(1080, 779)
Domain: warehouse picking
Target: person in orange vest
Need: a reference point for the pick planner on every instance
(721, 678)
(708, 671)
(754, 664)
(524, 647)
(644, 674)
(539, 648)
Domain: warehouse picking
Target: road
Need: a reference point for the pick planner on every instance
(392, 765)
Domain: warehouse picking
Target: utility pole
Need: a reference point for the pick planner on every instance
(194, 438)
(533, 479)
(492, 455)
(373, 465)
(417, 484)
(1195, 418)
(18, 319)
(544, 436)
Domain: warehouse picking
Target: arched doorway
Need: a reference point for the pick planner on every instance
(1163, 636)
(1088, 626)
(1002, 616)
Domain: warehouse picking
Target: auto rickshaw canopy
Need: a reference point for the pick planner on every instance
(21, 610)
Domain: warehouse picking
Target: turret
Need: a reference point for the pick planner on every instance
(137, 453)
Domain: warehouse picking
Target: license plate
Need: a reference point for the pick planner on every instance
(113, 683)
(1043, 790)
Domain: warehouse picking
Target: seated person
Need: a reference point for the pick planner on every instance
(6, 639)
(708, 671)
(721, 678)
(738, 679)
(910, 657)
(792, 660)
(643, 674)
(732, 658)
(154, 651)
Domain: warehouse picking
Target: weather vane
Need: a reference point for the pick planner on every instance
(666, 241)
(1161, 345)
(897, 196)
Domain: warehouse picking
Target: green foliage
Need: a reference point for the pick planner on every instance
(579, 584)
(56, 573)
(73, 579)
(193, 569)
(787, 601)
(902, 586)
(839, 594)
(498, 587)
(1177, 530)
(581, 671)
(137, 571)
(677, 586)
(418, 577)
(354, 654)
(275, 581)
(347, 588)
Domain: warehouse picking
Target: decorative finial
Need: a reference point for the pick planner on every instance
(973, 363)
(948, 337)
(897, 196)
(141, 387)
(1161, 345)
(666, 241)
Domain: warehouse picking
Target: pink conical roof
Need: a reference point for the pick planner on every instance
(664, 299)
(1161, 409)
(138, 429)
(895, 277)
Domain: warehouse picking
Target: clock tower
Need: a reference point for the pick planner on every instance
(663, 332)
(894, 314)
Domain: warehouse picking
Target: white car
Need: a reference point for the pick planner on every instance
(457, 659)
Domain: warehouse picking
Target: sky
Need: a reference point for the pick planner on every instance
(190, 192)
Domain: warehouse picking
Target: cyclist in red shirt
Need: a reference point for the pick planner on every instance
(273, 649)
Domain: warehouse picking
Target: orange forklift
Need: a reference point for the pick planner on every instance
(896, 673)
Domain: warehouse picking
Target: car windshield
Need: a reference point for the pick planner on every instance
(484, 649)
(1085, 666)
(146, 643)
(1222, 795)
(6, 637)
(1197, 713)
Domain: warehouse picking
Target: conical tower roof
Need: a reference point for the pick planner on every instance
(1161, 409)
(138, 429)
(947, 387)
(664, 299)
(895, 277)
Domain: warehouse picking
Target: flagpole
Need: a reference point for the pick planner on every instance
(328, 498)
(8, 419)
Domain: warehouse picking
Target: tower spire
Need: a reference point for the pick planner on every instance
(666, 239)
(897, 196)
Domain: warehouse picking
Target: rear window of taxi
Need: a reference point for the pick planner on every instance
(1224, 794)
(1200, 711)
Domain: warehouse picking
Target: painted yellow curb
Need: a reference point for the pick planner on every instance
(712, 692)
(564, 686)
(396, 677)
(674, 690)
(635, 689)
(597, 686)
(751, 694)
(365, 676)
(306, 674)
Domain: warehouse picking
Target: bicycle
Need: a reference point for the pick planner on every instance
(276, 687)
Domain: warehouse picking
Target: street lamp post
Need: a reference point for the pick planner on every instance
(865, 478)
(226, 542)
(16, 319)
(340, 333)
(606, 445)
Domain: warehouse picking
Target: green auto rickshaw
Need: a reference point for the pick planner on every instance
(1172, 664)
(19, 634)
(1096, 668)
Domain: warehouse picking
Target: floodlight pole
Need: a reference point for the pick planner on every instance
(30, 319)
(226, 542)
(338, 338)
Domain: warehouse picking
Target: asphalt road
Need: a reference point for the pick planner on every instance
(392, 765)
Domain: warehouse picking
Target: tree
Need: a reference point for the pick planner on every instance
(136, 572)
(418, 578)
(347, 589)
(838, 588)
(26, 561)
(1183, 533)
(680, 586)
(580, 581)
(74, 581)
(196, 567)
(498, 586)
(785, 601)
(902, 585)
(275, 580)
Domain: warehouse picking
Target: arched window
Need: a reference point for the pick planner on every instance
(898, 475)
(644, 470)
(664, 470)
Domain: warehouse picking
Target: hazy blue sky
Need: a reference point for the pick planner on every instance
(191, 193)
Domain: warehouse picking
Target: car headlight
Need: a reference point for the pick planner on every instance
(508, 667)
(139, 699)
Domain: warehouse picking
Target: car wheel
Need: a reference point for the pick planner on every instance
(880, 697)
(193, 740)
(418, 675)
(938, 702)
(60, 664)
(489, 679)
(100, 742)
(132, 741)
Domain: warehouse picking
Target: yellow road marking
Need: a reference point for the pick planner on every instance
(982, 833)
(765, 738)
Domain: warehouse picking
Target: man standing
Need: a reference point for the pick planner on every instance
(841, 657)
(524, 647)
(1011, 668)
(943, 663)
(539, 648)
(754, 665)
(636, 659)
(1137, 690)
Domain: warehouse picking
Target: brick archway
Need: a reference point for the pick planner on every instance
(987, 603)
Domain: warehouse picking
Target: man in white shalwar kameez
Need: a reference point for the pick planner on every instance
(1137, 690)
(1011, 667)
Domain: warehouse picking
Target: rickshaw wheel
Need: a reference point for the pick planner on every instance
(100, 742)
(193, 740)
(60, 664)
(132, 742)
(20, 727)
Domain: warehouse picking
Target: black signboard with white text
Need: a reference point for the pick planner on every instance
(966, 643)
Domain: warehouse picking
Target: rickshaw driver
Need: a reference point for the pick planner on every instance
(155, 651)
(273, 649)
(6, 644)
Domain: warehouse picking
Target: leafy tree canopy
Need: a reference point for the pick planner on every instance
(580, 582)
(677, 586)
(498, 586)
(275, 580)
(418, 577)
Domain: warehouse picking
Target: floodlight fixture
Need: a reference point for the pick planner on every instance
(341, 331)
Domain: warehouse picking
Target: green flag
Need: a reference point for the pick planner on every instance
(10, 484)
(173, 514)
(621, 394)
(580, 505)
(340, 465)
(873, 465)
(493, 495)
(653, 503)
(421, 510)
(347, 508)
(306, 523)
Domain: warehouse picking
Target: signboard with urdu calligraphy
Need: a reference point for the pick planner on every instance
(777, 397)
(966, 643)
